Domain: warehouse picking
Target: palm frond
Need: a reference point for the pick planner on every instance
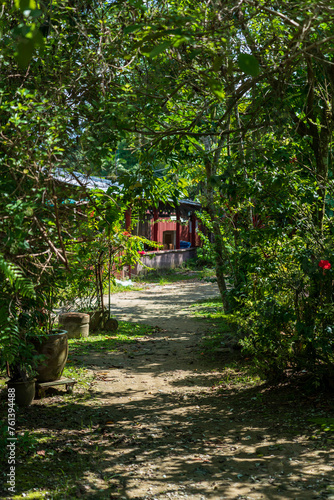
(16, 278)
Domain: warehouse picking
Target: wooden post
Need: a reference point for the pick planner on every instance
(155, 225)
(128, 219)
(193, 230)
(177, 242)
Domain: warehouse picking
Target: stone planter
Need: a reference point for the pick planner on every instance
(24, 391)
(55, 349)
(76, 324)
(100, 321)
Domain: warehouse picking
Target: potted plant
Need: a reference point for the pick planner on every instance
(40, 356)
(17, 356)
(52, 347)
(50, 342)
(36, 348)
(22, 375)
(21, 369)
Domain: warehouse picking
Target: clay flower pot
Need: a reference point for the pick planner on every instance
(24, 391)
(54, 347)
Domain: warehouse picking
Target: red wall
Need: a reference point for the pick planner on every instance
(185, 235)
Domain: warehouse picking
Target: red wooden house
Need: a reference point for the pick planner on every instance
(175, 228)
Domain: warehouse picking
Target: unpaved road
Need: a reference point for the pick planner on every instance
(162, 419)
(165, 306)
(171, 434)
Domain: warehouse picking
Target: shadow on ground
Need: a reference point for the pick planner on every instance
(209, 443)
(160, 422)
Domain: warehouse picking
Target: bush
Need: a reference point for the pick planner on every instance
(285, 308)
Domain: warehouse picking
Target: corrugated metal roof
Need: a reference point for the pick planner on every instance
(92, 182)
(81, 180)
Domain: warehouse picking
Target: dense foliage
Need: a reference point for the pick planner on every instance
(229, 101)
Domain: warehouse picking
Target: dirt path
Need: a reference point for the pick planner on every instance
(163, 305)
(170, 434)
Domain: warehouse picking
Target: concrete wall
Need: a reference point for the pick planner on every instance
(164, 259)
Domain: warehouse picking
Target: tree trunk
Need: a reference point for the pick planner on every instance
(218, 244)
(220, 265)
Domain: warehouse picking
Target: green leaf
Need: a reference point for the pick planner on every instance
(249, 64)
(16, 278)
(179, 40)
(25, 5)
(217, 88)
(146, 50)
(159, 48)
(194, 53)
(24, 51)
(132, 29)
(217, 63)
(26, 45)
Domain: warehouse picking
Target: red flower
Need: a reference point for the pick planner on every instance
(324, 264)
(141, 252)
(126, 233)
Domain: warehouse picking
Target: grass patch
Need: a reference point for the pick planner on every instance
(209, 309)
(321, 431)
(118, 288)
(219, 333)
(83, 376)
(127, 333)
(238, 375)
(325, 424)
(164, 277)
(219, 340)
(167, 276)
